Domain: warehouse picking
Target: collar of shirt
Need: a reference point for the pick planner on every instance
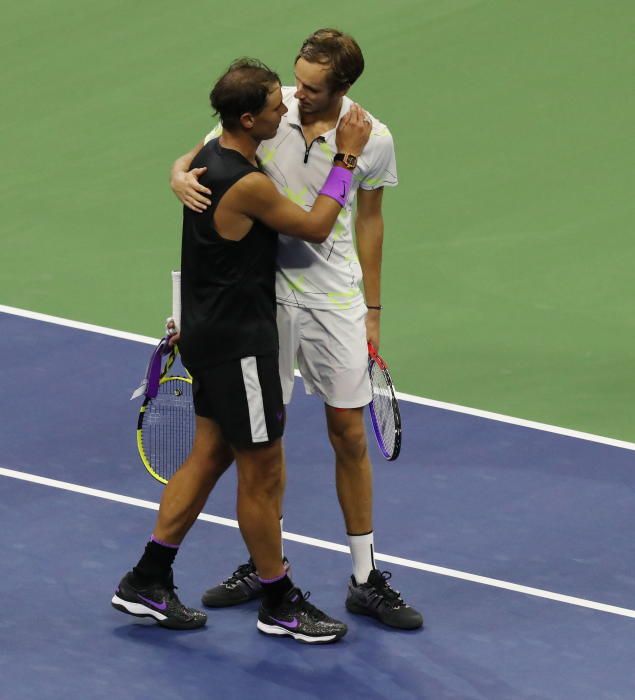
(293, 113)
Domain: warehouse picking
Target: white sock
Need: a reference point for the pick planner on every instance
(362, 554)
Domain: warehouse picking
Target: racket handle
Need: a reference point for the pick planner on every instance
(176, 298)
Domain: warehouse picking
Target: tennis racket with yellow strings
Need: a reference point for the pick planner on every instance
(165, 427)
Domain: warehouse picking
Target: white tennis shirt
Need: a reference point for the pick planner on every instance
(320, 275)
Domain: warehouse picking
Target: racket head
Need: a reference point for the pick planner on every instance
(165, 427)
(384, 407)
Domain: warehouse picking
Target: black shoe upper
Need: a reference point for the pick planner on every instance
(378, 580)
(242, 586)
(297, 614)
(161, 597)
(377, 598)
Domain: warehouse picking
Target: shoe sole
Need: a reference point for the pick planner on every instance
(139, 610)
(363, 610)
(276, 630)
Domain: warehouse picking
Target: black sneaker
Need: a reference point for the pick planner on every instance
(377, 599)
(297, 618)
(242, 586)
(157, 600)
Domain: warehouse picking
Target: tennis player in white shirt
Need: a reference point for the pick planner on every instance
(324, 318)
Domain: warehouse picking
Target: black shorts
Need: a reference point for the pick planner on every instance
(244, 397)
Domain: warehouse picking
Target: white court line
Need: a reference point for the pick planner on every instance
(545, 427)
(324, 544)
(78, 325)
(456, 408)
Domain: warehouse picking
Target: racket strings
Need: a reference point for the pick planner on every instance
(383, 407)
(168, 427)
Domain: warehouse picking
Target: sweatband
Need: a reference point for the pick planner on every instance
(338, 184)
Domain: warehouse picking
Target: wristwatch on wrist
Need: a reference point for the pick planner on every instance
(349, 161)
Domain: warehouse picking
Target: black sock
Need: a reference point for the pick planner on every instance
(275, 590)
(156, 562)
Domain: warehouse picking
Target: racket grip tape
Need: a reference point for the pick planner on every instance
(176, 298)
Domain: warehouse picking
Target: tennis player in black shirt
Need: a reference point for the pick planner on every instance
(229, 343)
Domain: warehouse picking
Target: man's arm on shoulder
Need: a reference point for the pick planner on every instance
(261, 200)
(184, 182)
(369, 234)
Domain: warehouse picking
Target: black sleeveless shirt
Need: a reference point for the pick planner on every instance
(228, 299)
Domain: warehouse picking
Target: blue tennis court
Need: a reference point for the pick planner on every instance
(531, 532)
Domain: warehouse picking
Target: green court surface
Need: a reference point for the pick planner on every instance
(508, 282)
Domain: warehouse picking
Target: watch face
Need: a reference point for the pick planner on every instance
(349, 161)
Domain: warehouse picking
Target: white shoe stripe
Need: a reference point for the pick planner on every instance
(138, 608)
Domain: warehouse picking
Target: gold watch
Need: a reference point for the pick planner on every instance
(349, 161)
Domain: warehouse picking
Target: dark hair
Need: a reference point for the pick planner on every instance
(244, 87)
(340, 51)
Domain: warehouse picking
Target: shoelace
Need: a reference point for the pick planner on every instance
(174, 599)
(311, 609)
(241, 572)
(169, 585)
(392, 596)
(170, 589)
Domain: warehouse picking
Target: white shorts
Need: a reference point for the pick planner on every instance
(331, 351)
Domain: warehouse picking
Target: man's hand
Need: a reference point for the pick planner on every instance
(170, 329)
(372, 327)
(189, 190)
(353, 131)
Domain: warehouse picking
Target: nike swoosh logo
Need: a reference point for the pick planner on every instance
(153, 603)
(343, 195)
(291, 624)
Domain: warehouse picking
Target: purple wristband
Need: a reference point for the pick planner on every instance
(338, 185)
